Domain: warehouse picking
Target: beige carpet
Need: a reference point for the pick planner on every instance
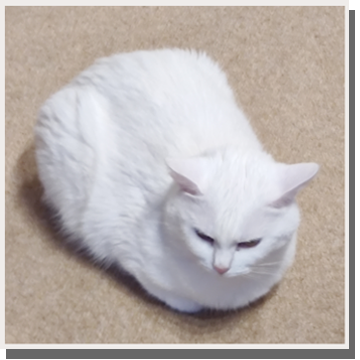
(286, 66)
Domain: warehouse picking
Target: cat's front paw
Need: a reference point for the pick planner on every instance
(183, 305)
(174, 301)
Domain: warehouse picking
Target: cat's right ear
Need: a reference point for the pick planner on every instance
(189, 174)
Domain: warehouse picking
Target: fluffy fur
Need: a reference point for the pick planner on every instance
(148, 160)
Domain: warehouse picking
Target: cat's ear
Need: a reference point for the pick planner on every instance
(190, 174)
(292, 179)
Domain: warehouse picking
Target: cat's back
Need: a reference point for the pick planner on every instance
(159, 74)
(176, 101)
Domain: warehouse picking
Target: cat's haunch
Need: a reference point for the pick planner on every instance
(148, 160)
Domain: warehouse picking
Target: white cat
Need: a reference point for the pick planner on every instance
(148, 160)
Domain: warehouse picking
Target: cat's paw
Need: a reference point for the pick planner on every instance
(175, 302)
(183, 305)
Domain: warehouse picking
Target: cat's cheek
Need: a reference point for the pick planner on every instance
(204, 254)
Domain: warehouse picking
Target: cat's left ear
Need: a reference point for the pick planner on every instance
(189, 174)
(292, 179)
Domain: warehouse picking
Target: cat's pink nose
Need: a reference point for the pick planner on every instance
(221, 270)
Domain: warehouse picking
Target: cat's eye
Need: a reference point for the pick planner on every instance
(248, 244)
(204, 237)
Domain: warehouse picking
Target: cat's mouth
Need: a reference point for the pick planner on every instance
(229, 273)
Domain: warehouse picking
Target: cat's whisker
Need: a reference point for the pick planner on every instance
(261, 272)
(269, 264)
(237, 274)
(249, 276)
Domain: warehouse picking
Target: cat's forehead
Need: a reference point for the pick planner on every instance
(244, 179)
(240, 191)
(234, 218)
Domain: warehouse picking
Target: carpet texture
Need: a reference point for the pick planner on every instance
(286, 66)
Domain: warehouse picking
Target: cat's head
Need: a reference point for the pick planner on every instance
(230, 211)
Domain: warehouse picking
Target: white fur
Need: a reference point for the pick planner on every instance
(142, 148)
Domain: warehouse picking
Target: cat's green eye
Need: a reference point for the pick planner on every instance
(248, 244)
(204, 237)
